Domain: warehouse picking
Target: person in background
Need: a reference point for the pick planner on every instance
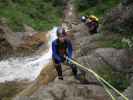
(62, 47)
(92, 22)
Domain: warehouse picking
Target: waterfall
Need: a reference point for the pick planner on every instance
(22, 68)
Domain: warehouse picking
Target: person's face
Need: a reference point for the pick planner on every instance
(62, 38)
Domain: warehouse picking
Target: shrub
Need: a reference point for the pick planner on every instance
(40, 14)
(84, 4)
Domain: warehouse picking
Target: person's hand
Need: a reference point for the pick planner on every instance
(64, 56)
(68, 61)
(63, 59)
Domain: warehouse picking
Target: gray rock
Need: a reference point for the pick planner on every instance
(81, 30)
(68, 91)
(87, 44)
(71, 89)
(119, 19)
(118, 59)
(91, 62)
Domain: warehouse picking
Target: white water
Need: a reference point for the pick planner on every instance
(25, 67)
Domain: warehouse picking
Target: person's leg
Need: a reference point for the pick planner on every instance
(74, 69)
(81, 76)
(58, 69)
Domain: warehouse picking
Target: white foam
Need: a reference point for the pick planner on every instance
(26, 67)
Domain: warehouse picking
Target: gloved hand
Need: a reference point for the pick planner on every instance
(63, 58)
(68, 61)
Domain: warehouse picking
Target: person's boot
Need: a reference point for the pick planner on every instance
(60, 77)
(74, 70)
(59, 71)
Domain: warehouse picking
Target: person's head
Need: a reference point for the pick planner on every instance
(61, 34)
(83, 19)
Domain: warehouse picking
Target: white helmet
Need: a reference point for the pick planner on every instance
(83, 18)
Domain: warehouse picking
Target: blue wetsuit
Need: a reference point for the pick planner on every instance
(60, 49)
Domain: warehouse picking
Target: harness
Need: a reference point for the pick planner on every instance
(62, 47)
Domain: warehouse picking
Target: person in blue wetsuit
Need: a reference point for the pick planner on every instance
(62, 47)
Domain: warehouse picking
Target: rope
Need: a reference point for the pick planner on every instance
(107, 90)
(101, 80)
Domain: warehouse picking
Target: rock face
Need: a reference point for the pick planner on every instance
(5, 46)
(120, 19)
(67, 91)
(70, 89)
(118, 59)
(87, 53)
(20, 43)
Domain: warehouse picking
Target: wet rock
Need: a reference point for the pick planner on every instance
(118, 59)
(81, 29)
(62, 90)
(119, 19)
(69, 88)
(86, 44)
(20, 43)
(29, 30)
(92, 62)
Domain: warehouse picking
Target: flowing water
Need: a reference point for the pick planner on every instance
(28, 68)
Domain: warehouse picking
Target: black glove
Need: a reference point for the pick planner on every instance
(63, 58)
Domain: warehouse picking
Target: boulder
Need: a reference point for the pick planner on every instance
(64, 90)
(120, 60)
(119, 19)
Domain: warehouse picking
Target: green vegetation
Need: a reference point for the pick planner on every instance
(118, 79)
(113, 41)
(96, 7)
(40, 14)
(99, 8)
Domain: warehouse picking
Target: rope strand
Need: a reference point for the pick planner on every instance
(101, 80)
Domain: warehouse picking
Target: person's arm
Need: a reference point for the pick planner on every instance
(54, 50)
(69, 49)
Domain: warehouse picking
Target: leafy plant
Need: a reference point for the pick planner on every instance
(119, 80)
(96, 7)
(40, 14)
